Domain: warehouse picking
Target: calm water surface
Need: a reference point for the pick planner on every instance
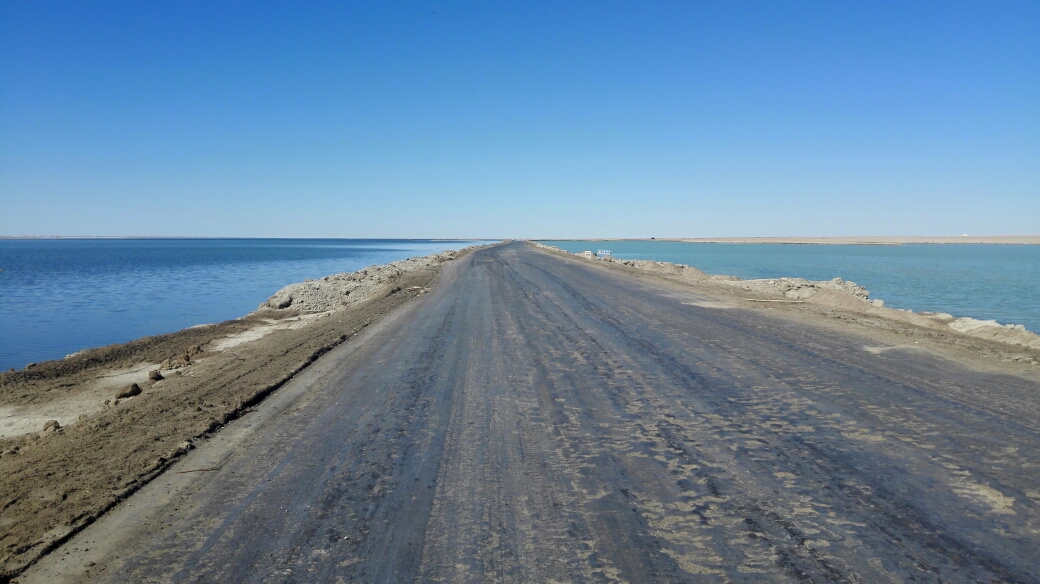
(60, 296)
(1000, 282)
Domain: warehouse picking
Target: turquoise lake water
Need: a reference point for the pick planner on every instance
(60, 296)
(1000, 282)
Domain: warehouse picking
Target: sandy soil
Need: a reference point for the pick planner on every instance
(55, 481)
(89, 398)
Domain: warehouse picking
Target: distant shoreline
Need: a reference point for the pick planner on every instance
(37, 237)
(881, 240)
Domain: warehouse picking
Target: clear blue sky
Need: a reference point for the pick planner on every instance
(523, 119)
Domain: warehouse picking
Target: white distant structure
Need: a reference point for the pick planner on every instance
(588, 254)
(603, 253)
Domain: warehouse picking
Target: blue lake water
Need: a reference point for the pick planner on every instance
(1000, 282)
(60, 296)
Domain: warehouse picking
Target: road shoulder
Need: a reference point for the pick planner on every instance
(57, 482)
(877, 333)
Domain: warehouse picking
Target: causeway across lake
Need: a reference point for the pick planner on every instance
(534, 419)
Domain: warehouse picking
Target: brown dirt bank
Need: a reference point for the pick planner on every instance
(54, 482)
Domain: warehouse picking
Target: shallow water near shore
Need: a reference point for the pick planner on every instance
(999, 282)
(64, 295)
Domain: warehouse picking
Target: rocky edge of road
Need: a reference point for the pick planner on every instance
(836, 293)
(347, 288)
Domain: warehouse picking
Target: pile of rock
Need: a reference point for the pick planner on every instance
(851, 296)
(837, 293)
(347, 288)
(971, 325)
(794, 288)
(799, 288)
(681, 270)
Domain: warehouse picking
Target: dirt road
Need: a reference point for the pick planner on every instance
(537, 420)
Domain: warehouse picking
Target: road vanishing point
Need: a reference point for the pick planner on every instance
(539, 419)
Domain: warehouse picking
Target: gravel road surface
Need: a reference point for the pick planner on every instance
(535, 419)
